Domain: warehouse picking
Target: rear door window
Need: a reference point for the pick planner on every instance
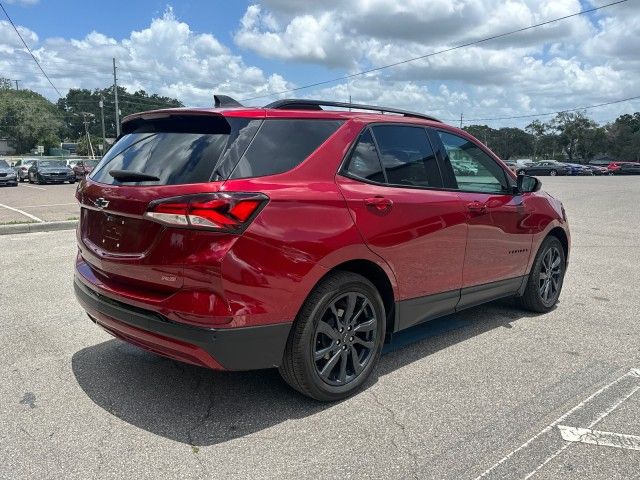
(282, 144)
(407, 156)
(177, 150)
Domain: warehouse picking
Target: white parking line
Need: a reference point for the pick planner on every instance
(632, 373)
(600, 438)
(592, 424)
(33, 186)
(32, 217)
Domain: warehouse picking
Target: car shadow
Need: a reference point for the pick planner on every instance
(201, 407)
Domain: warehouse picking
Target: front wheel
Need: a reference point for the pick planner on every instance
(336, 340)
(546, 277)
(521, 172)
(553, 173)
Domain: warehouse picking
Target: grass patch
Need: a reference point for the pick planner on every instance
(18, 222)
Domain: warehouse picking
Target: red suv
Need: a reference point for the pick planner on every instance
(302, 238)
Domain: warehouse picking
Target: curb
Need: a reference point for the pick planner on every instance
(37, 227)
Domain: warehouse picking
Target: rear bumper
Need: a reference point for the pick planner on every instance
(247, 348)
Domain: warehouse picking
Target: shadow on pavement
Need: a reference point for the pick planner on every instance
(202, 407)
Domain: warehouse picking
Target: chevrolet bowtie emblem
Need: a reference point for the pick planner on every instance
(101, 202)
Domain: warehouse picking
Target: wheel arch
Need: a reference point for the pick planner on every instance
(376, 275)
(561, 235)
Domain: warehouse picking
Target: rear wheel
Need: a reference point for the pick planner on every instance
(546, 277)
(553, 173)
(337, 338)
(521, 172)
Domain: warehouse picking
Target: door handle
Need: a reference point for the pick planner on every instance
(477, 207)
(379, 203)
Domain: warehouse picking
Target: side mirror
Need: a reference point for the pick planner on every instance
(528, 184)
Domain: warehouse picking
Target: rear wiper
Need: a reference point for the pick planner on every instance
(132, 176)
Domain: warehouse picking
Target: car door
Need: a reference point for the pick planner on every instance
(393, 188)
(498, 239)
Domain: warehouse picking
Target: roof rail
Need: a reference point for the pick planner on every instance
(304, 104)
(225, 101)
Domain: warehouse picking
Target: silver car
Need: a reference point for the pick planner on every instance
(22, 168)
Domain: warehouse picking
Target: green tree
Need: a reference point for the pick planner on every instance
(537, 130)
(572, 129)
(27, 118)
(78, 101)
(624, 137)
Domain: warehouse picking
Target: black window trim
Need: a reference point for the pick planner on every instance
(342, 169)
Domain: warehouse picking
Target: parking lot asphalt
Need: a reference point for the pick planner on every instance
(491, 392)
(38, 203)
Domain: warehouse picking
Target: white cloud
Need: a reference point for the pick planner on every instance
(574, 62)
(167, 58)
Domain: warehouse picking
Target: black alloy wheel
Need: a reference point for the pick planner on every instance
(546, 278)
(550, 275)
(345, 339)
(336, 340)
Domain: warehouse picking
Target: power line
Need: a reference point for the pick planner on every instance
(439, 52)
(588, 107)
(29, 50)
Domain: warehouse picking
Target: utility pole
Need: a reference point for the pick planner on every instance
(85, 121)
(104, 136)
(461, 120)
(17, 87)
(115, 91)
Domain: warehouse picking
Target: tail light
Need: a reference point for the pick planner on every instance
(222, 211)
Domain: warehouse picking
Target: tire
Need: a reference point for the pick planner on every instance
(553, 173)
(521, 172)
(316, 331)
(533, 298)
(29, 178)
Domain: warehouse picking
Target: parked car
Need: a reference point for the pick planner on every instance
(578, 169)
(50, 171)
(598, 170)
(545, 167)
(628, 168)
(8, 175)
(72, 162)
(615, 166)
(22, 168)
(83, 167)
(295, 237)
(601, 162)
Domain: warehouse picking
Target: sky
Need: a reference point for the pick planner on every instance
(191, 49)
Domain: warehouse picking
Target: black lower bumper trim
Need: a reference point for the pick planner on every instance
(247, 348)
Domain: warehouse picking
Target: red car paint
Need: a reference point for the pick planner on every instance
(425, 241)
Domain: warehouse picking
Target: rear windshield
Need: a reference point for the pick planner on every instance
(196, 150)
(179, 150)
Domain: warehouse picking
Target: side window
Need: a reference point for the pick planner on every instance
(407, 156)
(474, 170)
(364, 162)
(281, 145)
